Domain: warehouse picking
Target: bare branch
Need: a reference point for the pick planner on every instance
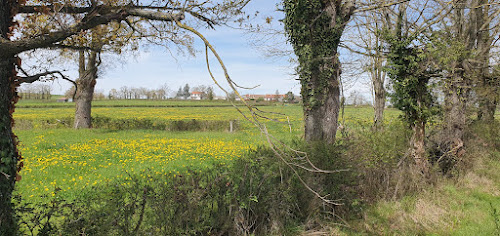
(72, 47)
(380, 6)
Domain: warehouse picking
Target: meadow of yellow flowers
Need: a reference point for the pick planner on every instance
(69, 160)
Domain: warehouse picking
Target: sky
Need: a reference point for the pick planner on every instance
(243, 53)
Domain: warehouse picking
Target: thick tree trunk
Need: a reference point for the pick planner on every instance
(9, 156)
(85, 91)
(457, 89)
(321, 108)
(315, 29)
(456, 97)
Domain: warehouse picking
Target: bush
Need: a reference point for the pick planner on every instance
(104, 122)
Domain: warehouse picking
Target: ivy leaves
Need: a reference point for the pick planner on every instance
(314, 29)
(410, 75)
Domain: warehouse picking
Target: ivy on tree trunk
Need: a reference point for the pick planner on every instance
(9, 156)
(409, 75)
(314, 28)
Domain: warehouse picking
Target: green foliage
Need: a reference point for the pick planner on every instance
(409, 73)
(41, 218)
(290, 98)
(315, 39)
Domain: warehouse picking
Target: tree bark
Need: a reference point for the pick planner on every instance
(378, 79)
(321, 121)
(489, 94)
(85, 90)
(487, 88)
(456, 97)
(418, 147)
(457, 88)
(9, 156)
(315, 29)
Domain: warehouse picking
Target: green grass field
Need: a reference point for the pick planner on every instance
(73, 159)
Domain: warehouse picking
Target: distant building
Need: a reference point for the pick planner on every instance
(63, 99)
(195, 95)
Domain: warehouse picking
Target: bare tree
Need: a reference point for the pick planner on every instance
(467, 37)
(368, 41)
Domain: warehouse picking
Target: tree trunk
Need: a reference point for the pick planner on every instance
(457, 89)
(487, 90)
(321, 109)
(85, 90)
(314, 29)
(418, 147)
(378, 79)
(378, 119)
(488, 99)
(456, 97)
(9, 156)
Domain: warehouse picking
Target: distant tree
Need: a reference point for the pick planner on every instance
(179, 93)
(113, 94)
(98, 95)
(124, 92)
(70, 93)
(210, 93)
(356, 98)
(231, 97)
(163, 91)
(290, 97)
(186, 91)
(40, 91)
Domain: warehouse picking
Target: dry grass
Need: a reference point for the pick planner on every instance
(474, 181)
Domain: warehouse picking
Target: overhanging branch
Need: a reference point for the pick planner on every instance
(100, 16)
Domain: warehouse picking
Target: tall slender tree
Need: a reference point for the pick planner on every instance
(488, 89)
(410, 71)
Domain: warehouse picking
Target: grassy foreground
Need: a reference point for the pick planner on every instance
(467, 205)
